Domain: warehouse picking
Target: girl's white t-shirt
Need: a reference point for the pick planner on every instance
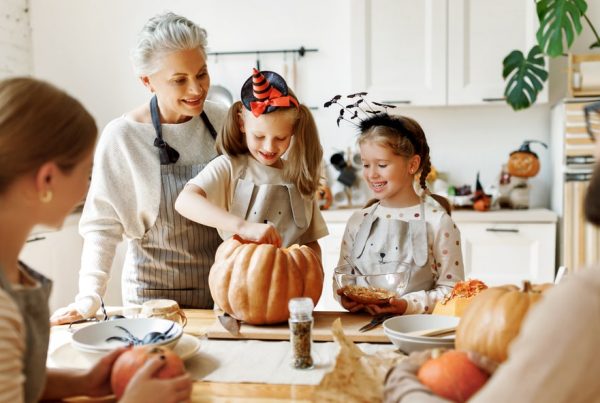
(218, 180)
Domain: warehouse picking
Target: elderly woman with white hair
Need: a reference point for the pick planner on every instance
(143, 160)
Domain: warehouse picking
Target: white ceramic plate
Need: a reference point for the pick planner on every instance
(67, 356)
(93, 337)
(396, 328)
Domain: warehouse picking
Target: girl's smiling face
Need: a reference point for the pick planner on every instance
(268, 136)
(389, 176)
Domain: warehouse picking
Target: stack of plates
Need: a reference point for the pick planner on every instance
(398, 330)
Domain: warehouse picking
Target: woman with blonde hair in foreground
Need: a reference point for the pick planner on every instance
(46, 144)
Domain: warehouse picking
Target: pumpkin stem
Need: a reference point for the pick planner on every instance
(527, 286)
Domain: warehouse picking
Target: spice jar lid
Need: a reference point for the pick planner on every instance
(160, 306)
(301, 306)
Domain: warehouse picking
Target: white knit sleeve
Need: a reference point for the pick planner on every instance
(120, 202)
(12, 351)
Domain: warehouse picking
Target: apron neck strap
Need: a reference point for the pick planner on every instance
(167, 154)
(208, 125)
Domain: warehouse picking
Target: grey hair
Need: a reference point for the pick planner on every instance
(163, 34)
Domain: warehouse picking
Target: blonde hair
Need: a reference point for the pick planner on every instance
(40, 123)
(162, 34)
(405, 137)
(304, 157)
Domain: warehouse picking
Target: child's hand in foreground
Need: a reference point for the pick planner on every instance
(260, 233)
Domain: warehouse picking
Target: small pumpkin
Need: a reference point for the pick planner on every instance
(131, 360)
(493, 319)
(452, 376)
(324, 196)
(523, 162)
(254, 282)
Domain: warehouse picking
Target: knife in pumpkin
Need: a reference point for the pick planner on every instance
(231, 324)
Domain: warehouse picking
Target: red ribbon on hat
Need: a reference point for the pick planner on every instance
(275, 99)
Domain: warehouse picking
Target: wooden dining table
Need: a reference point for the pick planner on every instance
(199, 321)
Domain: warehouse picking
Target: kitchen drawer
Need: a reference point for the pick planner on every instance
(508, 252)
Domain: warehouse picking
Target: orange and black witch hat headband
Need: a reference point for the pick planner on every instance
(265, 91)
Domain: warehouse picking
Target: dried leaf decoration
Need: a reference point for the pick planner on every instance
(356, 376)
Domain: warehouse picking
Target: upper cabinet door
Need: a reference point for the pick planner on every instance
(399, 50)
(481, 33)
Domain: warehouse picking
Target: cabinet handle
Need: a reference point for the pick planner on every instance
(37, 238)
(501, 99)
(406, 102)
(515, 230)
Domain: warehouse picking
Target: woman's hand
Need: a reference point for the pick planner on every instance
(260, 233)
(144, 388)
(64, 316)
(395, 305)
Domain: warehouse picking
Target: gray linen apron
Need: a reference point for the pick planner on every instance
(173, 258)
(33, 304)
(386, 245)
(281, 205)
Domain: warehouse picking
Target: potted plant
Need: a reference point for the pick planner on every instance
(560, 24)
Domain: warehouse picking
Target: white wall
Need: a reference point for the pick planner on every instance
(15, 38)
(82, 45)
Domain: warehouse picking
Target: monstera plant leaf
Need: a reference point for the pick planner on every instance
(558, 17)
(527, 76)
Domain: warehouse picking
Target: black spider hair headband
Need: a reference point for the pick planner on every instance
(370, 117)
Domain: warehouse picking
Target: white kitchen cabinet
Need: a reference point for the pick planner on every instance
(481, 33)
(437, 52)
(399, 50)
(56, 253)
(507, 247)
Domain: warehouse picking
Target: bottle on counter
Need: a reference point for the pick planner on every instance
(301, 324)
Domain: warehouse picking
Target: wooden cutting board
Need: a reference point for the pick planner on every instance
(351, 322)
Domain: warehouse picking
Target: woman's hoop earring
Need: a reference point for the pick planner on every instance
(46, 197)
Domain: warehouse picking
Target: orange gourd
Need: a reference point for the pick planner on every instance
(493, 319)
(131, 360)
(452, 376)
(254, 282)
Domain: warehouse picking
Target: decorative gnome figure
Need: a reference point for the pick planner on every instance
(522, 164)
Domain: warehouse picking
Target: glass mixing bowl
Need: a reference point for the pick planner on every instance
(348, 275)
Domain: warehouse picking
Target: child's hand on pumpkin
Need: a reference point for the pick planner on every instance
(394, 305)
(260, 233)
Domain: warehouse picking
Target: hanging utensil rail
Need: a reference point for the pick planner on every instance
(301, 51)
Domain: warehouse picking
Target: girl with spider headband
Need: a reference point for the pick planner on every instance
(401, 230)
(251, 190)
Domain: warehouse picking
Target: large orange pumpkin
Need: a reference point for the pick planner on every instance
(254, 282)
(493, 319)
(452, 376)
(131, 360)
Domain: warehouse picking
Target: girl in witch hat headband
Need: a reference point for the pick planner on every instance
(401, 230)
(252, 190)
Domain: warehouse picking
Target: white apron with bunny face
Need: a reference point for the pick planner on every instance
(386, 245)
(279, 204)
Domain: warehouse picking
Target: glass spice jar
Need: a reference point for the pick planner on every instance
(301, 323)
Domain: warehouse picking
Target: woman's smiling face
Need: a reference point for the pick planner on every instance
(181, 84)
